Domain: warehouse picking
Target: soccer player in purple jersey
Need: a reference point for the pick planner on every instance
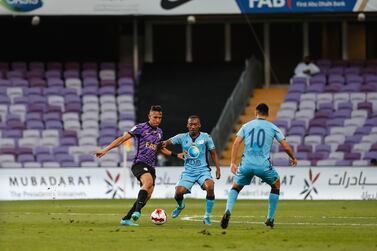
(149, 142)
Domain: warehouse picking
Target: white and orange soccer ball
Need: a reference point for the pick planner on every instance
(158, 216)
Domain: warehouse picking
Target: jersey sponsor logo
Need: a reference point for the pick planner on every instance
(150, 145)
(200, 142)
(193, 152)
(270, 3)
(21, 5)
(171, 4)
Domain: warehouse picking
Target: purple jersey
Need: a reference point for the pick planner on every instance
(147, 138)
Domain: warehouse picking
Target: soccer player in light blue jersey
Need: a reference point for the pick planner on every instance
(195, 145)
(257, 136)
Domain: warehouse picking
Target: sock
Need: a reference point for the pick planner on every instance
(210, 201)
(141, 199)
(179, 200)
(129, 214)
(272, 203)
(232, 197)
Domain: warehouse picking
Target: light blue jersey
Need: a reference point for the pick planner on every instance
(258, 136)
(196, 160)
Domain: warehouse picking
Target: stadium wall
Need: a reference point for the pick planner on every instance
(339, 183)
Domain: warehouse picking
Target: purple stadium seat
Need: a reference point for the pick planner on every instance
(301, 155)
(346, 148)
(371, 78)
(69, 164)
(89, 73)
(20, 100)
(353, 139)
(33, 91)
(317, 122)
(345, 106)
(41, 150)
(90, 81)
(54, 66)
(5, 83)
(45, 158)
(86, 157)
(90, 90)
(370, 155)
(315, 88)
(63, 157)
(365, 106)
(24, 150)
(363, 130)
(305, 148)
(352, 156)
(71, 74)
(37, 82)
(73, 107)
(355, 70)
(104, 141)
(69, 133)
(371, 122)
(20, 83)
(34, 124)
(280, 162)
(337, 70)
(56, 90)
(343, 113)
(16, 74)
(54, 124)
(68, 141)
(60, 150)
(9, 150)
(5, 100)
(352, 87)
(323, 114)
(25, 158)
(16, 125)
(108, 125)
(108, 82)
(130, 81)
(70, 91)
(55, 82)
(36, 66)
(128, 116)
(52, 116)
(335, 122)
(370, 87)
(13, 133)
(109, 90)
(69, 99)
(128, 89)
(33, 116)
(109, 133)
(316, 130)
(53, 73)
(72, 66)
(323, 148)
(278, 123)
(333, 87)
(107, 66)
(343, 163)
(297, 130)
(297, 88)
(298, 123)
(292, 97)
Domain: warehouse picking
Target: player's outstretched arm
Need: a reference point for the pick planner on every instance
(235, 147)
(117, 142)
(165, 143)
(167, 152)
(287, 148)
(216, 161)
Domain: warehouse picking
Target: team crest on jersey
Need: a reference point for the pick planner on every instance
(200, 142)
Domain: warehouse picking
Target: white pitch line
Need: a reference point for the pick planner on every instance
(193, 218)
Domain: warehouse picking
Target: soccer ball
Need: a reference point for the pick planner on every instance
(158, 216)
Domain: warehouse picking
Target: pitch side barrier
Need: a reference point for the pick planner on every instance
(302, 183)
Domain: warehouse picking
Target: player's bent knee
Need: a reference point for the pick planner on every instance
(237, 187)
(276, 185)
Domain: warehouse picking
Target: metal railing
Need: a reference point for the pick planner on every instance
(250, 78)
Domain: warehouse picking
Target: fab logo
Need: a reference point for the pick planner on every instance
(21, 5)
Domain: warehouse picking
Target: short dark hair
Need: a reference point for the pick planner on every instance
(156, 108)
(194, 117)
(262, 109)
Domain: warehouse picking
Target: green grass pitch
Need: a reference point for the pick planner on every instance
(94, 225)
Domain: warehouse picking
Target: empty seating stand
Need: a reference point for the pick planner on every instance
(331, 118)
(59, 114)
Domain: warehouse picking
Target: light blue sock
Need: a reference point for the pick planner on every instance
(209, 206)
(272, 203)
(232, 197)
